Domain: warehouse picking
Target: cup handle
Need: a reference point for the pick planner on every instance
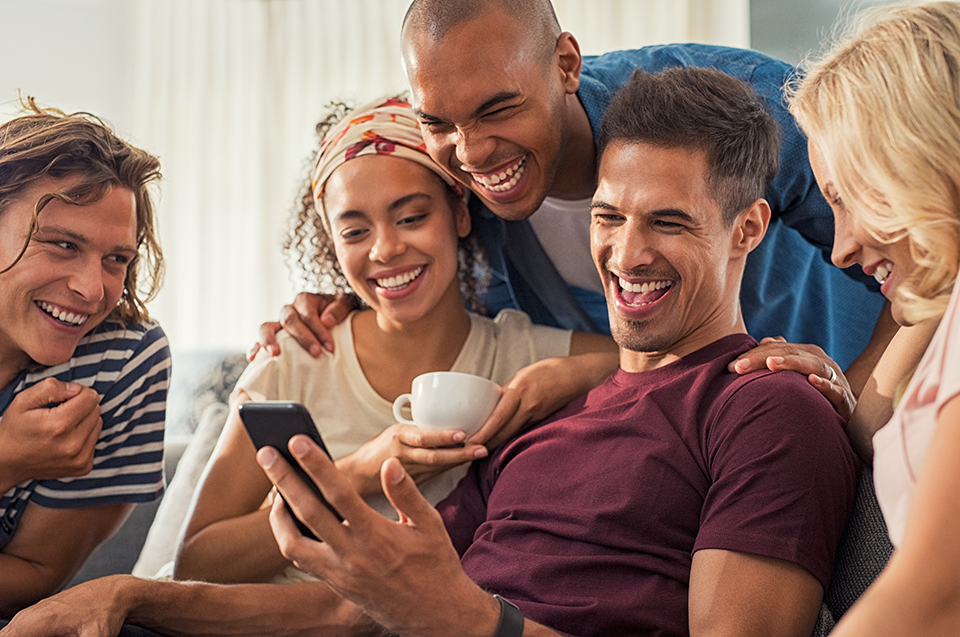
(398, 404)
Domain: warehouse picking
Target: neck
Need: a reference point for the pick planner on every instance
(577, 165)
(13, 360)
(391, 354)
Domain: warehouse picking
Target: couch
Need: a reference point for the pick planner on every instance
(197, 411)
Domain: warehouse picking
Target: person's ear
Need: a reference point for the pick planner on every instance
(569, 61)
(749, 228)
(461, 215)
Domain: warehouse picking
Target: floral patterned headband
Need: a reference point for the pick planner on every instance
(384, 127)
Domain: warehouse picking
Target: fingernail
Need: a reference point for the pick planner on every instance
(268, 456)
(299, 447)
(328, 345)
(776, 360)
(459, 436)
(394, 471)
(73, 387)
(315, 350)
(481, 453)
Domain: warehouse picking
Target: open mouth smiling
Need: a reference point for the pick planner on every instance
(640, 294)
(503, 180)
(62, 315)
(882, 272)
(395, 283)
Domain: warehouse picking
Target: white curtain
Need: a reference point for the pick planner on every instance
(227, 93)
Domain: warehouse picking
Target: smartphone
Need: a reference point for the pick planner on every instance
(272, 424)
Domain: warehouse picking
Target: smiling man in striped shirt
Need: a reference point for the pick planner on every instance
(83, 370)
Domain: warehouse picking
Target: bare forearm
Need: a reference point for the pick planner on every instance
(596, 367)
(859, 371)
(23, 583)
(194, 608)
(899, 603)
(233, 551)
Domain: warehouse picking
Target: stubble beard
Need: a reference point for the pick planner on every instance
(634, 336)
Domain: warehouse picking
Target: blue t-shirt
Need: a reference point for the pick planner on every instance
(129, 366)
(789, 289)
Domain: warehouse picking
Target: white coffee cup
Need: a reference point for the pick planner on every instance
(449, 400)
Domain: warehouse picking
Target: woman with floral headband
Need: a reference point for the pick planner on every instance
(381, 220)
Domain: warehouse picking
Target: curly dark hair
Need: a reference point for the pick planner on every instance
(311, 248)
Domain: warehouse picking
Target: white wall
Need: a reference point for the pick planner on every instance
(72, 54)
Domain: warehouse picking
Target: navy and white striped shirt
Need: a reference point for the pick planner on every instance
(129, 366)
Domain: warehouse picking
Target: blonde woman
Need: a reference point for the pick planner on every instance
(882, 113)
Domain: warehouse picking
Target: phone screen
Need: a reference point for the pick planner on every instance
(272, 424)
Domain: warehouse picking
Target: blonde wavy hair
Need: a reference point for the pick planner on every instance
(883, 109)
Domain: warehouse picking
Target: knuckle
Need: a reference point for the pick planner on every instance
(287, 314)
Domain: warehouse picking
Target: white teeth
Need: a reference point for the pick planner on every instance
(503, 181)
(643, 288)
(62, 315)
(397, 282)
(882, 272)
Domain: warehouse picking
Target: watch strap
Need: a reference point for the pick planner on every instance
(511, 619)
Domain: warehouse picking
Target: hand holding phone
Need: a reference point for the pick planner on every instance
(272, 424)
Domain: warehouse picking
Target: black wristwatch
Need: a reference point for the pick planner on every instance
(511, 620)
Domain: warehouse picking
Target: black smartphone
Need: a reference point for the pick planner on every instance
(272, 424)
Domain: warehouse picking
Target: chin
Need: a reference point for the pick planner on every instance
(516, 209)
(50, 358)
(636, 336)
(897, 312)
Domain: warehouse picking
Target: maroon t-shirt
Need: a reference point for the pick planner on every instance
(589, 521)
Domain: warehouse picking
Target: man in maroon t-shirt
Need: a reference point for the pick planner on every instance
(674, 499)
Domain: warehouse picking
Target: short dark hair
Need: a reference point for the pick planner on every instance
(48, 143)
(701, 109)
(438, 17)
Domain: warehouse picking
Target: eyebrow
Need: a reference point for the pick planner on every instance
(83, 240)
(351, 214)
(602, 205)
(406, 199)
(673, 213)
(662, 213)
(496, 100)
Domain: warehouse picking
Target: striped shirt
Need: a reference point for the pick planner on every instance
(129, 366)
